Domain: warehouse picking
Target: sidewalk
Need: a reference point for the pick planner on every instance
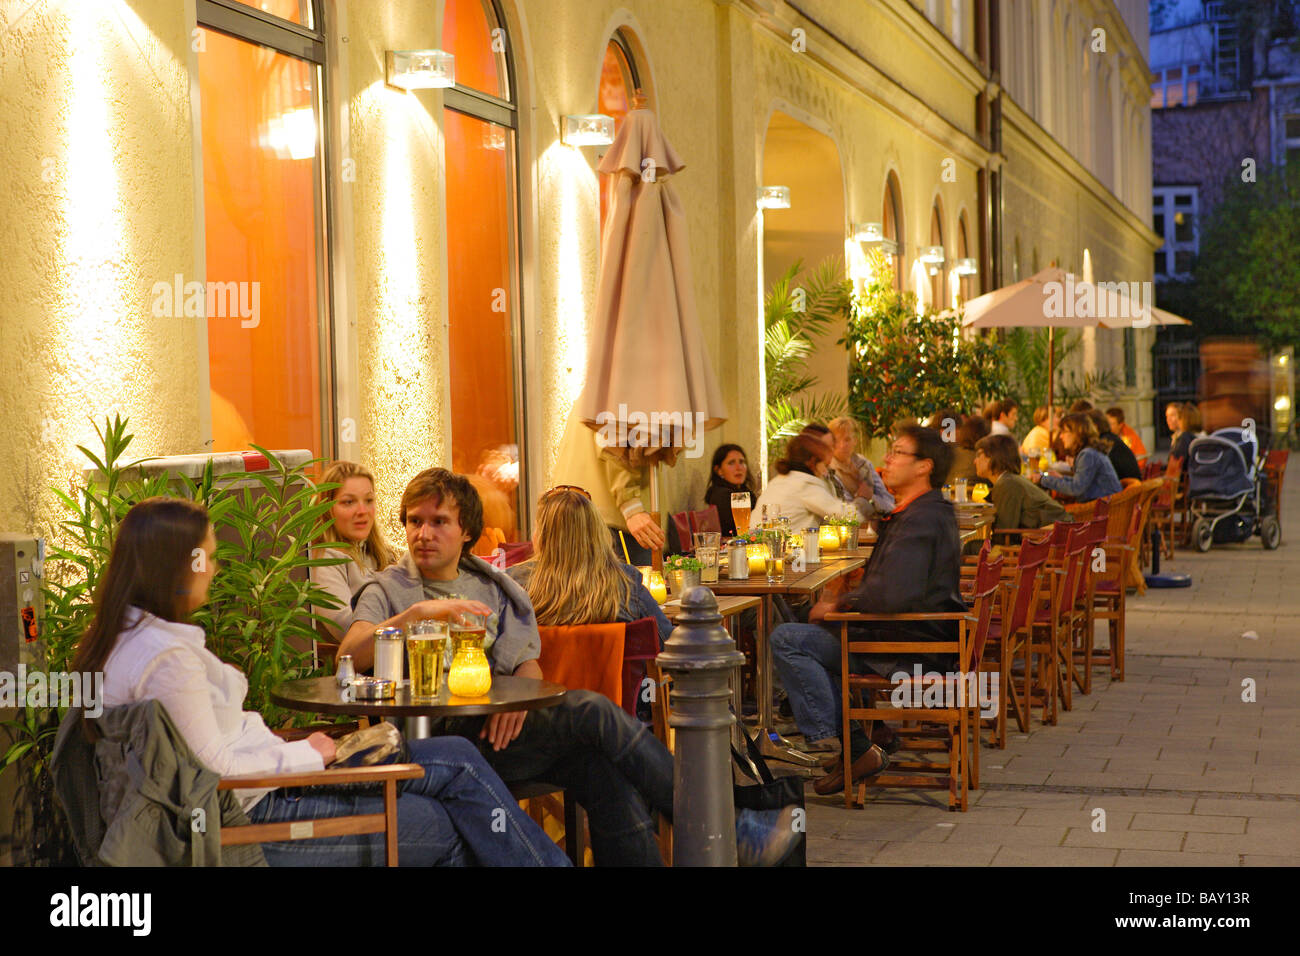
(1186, 772)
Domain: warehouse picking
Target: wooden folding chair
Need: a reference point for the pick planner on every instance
(959, 713)
(1021, 598)
(1051, 627)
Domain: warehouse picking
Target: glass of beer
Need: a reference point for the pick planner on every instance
(775, 561)
(740, 511)
(426, 642)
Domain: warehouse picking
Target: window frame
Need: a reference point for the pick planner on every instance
(1164, 204)
(251, 25)
(505, 112)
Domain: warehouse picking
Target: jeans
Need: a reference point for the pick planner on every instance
(807, 657)
(615, 769)
(458, 814)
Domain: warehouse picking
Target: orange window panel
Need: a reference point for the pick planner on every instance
(480, 183)
(260, 230)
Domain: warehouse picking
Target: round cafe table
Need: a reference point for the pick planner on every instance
(322, 695)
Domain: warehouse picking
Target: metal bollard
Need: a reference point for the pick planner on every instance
(699, 656)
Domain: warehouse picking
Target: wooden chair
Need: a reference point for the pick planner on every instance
(1080, 644)
(1021, 598)
(591, 657)
(1139, 532)
(961, 719)
(1050, 629)
(1110, 587)
(386, 776)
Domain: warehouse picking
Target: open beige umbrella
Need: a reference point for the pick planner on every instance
(1054, 299)
(649, 378)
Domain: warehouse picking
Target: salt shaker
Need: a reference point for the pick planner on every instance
(346, 671)
(737, 561)
(388, 654)
(812, 545)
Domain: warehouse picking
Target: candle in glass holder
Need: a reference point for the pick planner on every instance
(829, 538)
(846, 532)
(656, 585)
(471, 673)
(757, 554)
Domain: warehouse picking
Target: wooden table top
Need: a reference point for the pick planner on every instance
(806, 582)
(728, 604)
(322, 695)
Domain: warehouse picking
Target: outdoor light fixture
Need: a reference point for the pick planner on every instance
(590, 129)
(932, 256)
(868, 232)
(420, 69)
(774, 197)
(966, 267)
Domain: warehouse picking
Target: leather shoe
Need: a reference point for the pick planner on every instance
(885, 739)
(868, 765)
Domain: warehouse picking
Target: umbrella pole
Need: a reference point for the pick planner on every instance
(656, 555)
(1051, 334)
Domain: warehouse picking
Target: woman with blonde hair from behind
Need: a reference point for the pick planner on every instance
(353, 534)
(574, 576)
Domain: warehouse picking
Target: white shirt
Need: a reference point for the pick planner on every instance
(342, 581)
(168, 662)
(802, 498)
(997, 428)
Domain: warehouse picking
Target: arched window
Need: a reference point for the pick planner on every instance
(966, 283)
(892, 226)
(620, 78)
(479, 127)
(938, 283)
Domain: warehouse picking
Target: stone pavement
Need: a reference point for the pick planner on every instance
(1187, 772)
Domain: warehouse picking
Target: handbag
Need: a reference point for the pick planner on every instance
(381, 743)
(770, 793)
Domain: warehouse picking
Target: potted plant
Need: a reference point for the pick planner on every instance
(258, 616)
(682, 572)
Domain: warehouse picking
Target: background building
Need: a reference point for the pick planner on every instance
(404, 277)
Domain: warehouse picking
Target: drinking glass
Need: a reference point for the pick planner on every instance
(426, 642)
(740, 511)
(707, 539)
(775, 562)
(708, 557)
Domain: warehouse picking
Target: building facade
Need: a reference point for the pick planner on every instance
(227, 222)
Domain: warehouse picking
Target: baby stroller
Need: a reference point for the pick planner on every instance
(1227, 490)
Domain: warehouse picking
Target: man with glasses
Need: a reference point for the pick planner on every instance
(914, 568)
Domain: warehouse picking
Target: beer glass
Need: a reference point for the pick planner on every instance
(426, 643)
(740, 511)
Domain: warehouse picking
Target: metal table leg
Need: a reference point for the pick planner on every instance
(770, 743)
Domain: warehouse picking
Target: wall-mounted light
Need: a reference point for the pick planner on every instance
(589, 129)
(774, 197)
(966, 267)
(420, 69)
(932, 256)
(868, 232)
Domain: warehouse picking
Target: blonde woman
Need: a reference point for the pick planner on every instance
(352, 534)
(574, 577)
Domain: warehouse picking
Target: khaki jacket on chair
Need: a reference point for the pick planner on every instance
(131, 796)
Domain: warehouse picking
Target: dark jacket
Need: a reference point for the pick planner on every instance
(1122, 457)
(719, 495)
(915, 567)
(136, 796)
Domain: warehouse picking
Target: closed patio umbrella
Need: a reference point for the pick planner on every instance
(1054, 299)
(646, 361)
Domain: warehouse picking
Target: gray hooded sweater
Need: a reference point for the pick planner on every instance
(517, 639)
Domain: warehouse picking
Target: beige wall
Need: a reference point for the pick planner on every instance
(887, 86)
(98, 205)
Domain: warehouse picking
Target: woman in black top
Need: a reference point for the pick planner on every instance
(1120, 455)
(729, 475)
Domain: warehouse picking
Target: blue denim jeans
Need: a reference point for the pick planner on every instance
(459, 814)
(807, 657)
(615, 768)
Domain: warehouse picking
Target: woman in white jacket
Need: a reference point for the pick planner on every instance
(158, 574)
(799, 489)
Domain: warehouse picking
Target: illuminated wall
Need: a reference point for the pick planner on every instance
(98, 206)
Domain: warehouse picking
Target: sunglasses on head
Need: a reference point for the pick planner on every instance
(582, 491)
